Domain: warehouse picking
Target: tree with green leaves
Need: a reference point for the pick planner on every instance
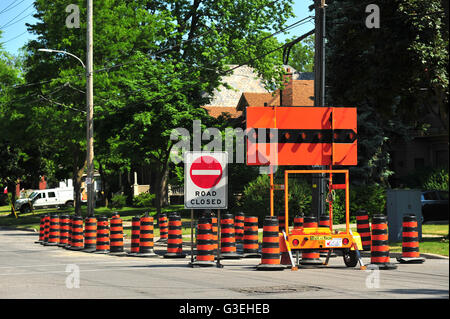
(394, 74)
(156, 64)
(301, 55)
(169, 87)
(15, 156)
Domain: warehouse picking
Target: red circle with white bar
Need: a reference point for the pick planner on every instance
(205, 172)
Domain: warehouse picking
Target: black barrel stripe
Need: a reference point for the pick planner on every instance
(410, 249)
(379, 242)
(380, 253)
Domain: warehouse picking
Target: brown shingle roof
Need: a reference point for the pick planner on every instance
(258, 99)
(296, 93)
(216, 111)
(303, 93)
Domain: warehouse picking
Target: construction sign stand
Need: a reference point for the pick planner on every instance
(294, 268)
(307, 136)
(206, 187)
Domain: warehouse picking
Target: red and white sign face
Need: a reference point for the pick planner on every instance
(206, 172)
(205, 180)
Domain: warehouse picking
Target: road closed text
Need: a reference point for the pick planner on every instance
(206, 198)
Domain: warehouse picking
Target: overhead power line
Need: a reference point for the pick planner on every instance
(6, 9)
(12, 20)
(158, 54)
(17, 36)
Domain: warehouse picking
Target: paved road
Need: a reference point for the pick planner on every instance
(29, 270)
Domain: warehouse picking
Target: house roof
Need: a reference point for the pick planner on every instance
(245, 79)
(302, 93)
(257, 99)
(216, 111)
(296, 93)
(247, 89)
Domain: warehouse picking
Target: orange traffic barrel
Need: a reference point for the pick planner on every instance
(324, 221)
(175, 238)
(310, 256)
(281, 221)
(135, 235)
(69, 240)
(239, 226)
(379, 254)
(215, 231)
(205, 245)
(41, 230)
(53, 235)
(146, 236)
(270, 251)
(46, 229)
(410, 241)
(298, 221)
(90, 234)
(251, 244)
(163, 227)
(363, 229)
(77, 233)
(103, 243)
(64, 224)
(116, 236)
(227, 238)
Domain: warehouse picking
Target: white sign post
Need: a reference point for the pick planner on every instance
(205, 180)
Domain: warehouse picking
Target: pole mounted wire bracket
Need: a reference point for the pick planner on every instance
(288, 46)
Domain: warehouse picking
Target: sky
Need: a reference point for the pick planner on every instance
(15, 13)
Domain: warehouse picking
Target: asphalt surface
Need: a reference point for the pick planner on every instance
(29, 270)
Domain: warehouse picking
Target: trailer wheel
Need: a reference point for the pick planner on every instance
(350, 259)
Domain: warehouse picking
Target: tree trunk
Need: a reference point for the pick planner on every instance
(77, 175)
(161, 187)
(103, 181)
(12, 189)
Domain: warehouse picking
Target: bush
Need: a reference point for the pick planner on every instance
(118, 201)
(143, 200)
(426, 178)
(371, 198)
(436, 180)
(255, 200)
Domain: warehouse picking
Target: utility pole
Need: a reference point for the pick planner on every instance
(318, 182)
(90, 112)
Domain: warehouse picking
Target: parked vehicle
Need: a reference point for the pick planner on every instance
(434, 205)
(45, 198)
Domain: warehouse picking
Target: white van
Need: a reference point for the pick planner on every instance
(45, 198)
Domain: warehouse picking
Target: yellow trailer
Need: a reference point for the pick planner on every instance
(323, 238)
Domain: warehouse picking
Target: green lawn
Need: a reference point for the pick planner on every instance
(437, 246)
(441, 230)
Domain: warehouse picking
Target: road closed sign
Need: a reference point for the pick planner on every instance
(205, 180)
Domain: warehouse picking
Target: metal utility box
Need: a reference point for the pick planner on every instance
(400, 202)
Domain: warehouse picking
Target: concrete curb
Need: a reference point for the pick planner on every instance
(395, 255)
(15, 228)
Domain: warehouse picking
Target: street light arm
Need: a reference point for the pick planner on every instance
(63, 52)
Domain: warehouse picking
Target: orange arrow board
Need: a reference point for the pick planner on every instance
(301, 136)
